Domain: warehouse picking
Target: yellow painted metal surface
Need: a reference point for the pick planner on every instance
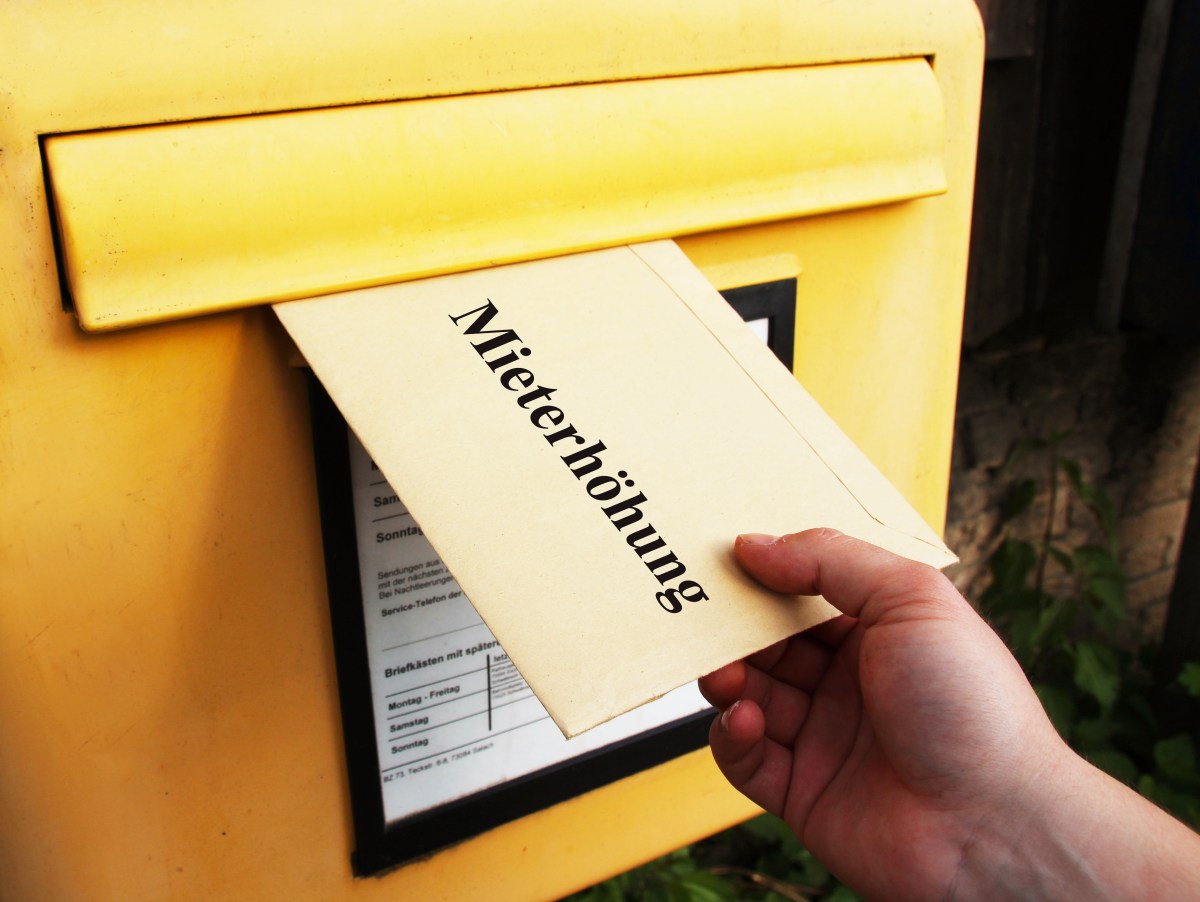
(175, 220)
(169, 725)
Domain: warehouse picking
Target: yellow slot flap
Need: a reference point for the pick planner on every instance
(168, 221)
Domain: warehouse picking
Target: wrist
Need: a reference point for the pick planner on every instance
(1074, 832)
(1023, 848)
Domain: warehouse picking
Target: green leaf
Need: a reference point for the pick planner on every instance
(768, 827)
(774, 864)
(1053, 623)
(1095, 559)
(1074, 473)
(705, 886)
(1190, 814)
(1001, 602)
(1018, 501)
(1110, 592)
(813, 873)
(1058, 665)
(1096, 672)
(1012, 563)
(1115, 764)
(1059, 705)
(1096, 500)
(614, 891)
(657, 892)
(789, 845)
(1136, 727)
(1147, 786)
(1189, 678)
(611, 890)
(842, 894)
(680, 861)
(1093, 733)
(1103, 583)
(1176, 758)
(1106, 513)
(1022, 632)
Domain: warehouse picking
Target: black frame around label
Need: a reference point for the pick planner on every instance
(379, 845)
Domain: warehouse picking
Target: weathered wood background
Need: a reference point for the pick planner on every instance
(1087, 198)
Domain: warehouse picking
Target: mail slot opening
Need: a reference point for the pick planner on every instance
(443, 738)
(249, 210)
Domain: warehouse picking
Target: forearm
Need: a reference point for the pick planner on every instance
(1083, 835)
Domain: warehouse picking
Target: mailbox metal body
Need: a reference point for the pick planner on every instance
(169, 720)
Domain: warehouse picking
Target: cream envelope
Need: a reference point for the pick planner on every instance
(580, 438)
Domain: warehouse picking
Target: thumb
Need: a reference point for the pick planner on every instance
(856, 577)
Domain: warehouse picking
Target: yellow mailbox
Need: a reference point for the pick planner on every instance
(170, 719)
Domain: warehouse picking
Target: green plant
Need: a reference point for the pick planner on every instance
(759, 860)
(1061, 609)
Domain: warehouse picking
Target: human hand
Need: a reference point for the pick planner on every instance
(901, 741)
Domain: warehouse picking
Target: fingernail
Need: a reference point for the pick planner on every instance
(757, 538)
(728, 713)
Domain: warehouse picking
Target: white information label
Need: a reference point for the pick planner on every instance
(452, 714)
